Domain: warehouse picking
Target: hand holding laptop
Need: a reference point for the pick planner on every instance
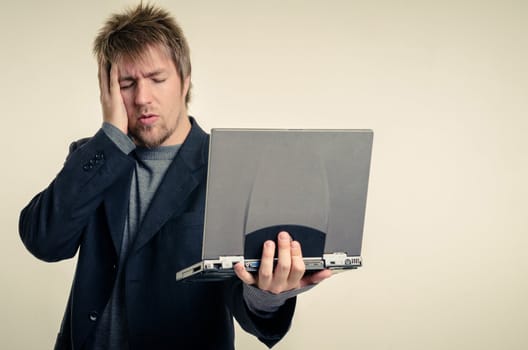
(289, 272)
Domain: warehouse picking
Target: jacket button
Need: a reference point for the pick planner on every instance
(93, 316)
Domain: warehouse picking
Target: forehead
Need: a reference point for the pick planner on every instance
(152, 58)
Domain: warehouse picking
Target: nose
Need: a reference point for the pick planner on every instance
(143, 94)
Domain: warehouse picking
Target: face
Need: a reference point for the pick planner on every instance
(154, 99)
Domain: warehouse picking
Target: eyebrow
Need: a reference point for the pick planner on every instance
(148, 75)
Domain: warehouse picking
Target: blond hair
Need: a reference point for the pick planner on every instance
(130, 33)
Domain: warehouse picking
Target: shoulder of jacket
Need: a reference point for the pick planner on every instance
(79, 143)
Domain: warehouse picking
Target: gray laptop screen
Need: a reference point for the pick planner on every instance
(301, 180)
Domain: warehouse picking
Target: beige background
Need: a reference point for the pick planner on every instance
(442, 83)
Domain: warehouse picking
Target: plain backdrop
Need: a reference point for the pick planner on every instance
(443, 84)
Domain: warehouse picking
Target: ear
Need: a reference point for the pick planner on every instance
(186, 85)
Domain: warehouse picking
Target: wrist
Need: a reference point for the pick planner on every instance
(123, 127)
(120, 139)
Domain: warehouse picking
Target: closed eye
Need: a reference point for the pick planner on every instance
(126, 84)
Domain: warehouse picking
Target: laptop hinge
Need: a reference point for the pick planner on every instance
(341, 260)
(223, 262)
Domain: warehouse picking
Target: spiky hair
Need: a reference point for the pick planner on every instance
(128, 34)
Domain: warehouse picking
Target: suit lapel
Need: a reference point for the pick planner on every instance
(180, 180)
(116, 207)
(169, 200)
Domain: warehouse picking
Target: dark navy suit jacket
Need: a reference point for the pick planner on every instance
(84, 210)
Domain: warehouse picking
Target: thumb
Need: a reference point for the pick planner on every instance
(243, 274)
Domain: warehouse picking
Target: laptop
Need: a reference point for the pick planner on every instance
(310, 183)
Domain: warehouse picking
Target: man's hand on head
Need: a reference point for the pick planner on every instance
(288, 274)
(114, 111)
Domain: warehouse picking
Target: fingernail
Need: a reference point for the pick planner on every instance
(269, 244)
(284, 235)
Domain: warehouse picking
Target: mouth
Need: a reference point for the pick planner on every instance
(147, 119)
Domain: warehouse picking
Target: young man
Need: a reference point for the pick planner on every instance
(130, 200)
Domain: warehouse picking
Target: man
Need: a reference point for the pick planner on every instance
(130, 201)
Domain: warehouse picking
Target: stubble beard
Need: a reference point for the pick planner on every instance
(143, 135)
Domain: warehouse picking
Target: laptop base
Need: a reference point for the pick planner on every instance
(222, 268)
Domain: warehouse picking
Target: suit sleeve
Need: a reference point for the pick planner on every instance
(269, 329)
(51, 224)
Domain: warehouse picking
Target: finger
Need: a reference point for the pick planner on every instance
(282, 271)
(297, 265)
(103, 78)
(244, 275)
(266, 265)
(114, 81)
(316, 277)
